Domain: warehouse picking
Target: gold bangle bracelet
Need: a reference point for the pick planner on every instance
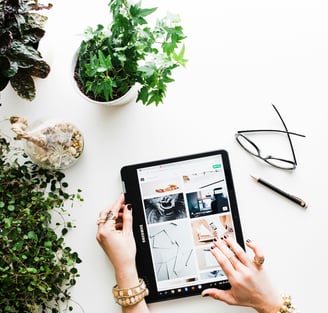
(130, 296)
(287, 306)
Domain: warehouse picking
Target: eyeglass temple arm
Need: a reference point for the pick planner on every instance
(268, 130)
(289, 139)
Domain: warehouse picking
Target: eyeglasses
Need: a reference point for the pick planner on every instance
(254, 150)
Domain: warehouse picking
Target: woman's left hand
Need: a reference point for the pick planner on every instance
(115, 235)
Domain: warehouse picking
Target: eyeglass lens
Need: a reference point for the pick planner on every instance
(251, 148)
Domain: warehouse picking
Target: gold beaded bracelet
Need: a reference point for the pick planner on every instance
(130, 296)
(287, 306)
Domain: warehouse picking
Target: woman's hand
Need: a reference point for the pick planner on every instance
(115, 235)
(250, 285)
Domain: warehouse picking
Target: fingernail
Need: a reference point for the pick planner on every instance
(212, 247)
(205, 295)
(129, 206)
(248, 240)
(215, 239)
(225, 236)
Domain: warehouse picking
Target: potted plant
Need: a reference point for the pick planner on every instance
(129, 51)
(37, 268)
(21, 29)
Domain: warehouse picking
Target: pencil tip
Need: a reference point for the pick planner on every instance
(254, 177)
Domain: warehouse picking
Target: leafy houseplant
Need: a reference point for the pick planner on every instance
(111, 60)
(21, 29)
(37, 268)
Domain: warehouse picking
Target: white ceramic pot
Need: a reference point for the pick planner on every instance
(130, 96)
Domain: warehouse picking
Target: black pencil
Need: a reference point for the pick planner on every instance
(281, 192)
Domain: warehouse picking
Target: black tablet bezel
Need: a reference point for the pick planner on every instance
(144, 263)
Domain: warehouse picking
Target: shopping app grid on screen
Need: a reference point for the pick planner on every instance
(183, 200)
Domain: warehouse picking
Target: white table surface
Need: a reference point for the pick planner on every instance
(243, 56)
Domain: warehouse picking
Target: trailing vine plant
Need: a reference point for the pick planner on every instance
(37, 268)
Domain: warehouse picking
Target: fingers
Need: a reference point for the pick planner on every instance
(232, 257)
(110, 216)
(236, 249)
(118, 217)
(127, 219)
(118, 205)
(232, 251)
(225, 256)
(258, 254)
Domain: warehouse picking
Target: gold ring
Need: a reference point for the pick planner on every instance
(110, 216)
(259, 261)
(101, 220)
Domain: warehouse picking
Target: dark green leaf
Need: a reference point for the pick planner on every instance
(5, 41)
(25, 55)
(23, 84)
(39, 69)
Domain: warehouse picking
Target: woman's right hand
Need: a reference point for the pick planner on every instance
(250, 285)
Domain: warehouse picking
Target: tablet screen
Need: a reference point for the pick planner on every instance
(179, 206)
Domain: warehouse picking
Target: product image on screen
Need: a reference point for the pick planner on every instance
(183, 204)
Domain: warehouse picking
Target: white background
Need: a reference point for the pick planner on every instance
(243, 56)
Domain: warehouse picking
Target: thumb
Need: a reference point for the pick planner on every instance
(127, 218)
(218, 294)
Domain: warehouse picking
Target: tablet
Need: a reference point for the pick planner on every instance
(179, 206)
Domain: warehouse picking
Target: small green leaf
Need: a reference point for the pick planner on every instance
(180, 57)
(11, 207)
(32, 235)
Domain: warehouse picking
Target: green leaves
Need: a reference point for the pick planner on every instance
(98, 69)
(111, 61)
(37, 268)
(21, 31)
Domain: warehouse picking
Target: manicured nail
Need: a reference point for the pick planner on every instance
(212, 247)
(226, 236)
(248, 240)
(129, 206)
(215, 239)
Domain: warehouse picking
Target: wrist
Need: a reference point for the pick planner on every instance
(126, 277)
(271, 305)
(283, 305)
(270, 308)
